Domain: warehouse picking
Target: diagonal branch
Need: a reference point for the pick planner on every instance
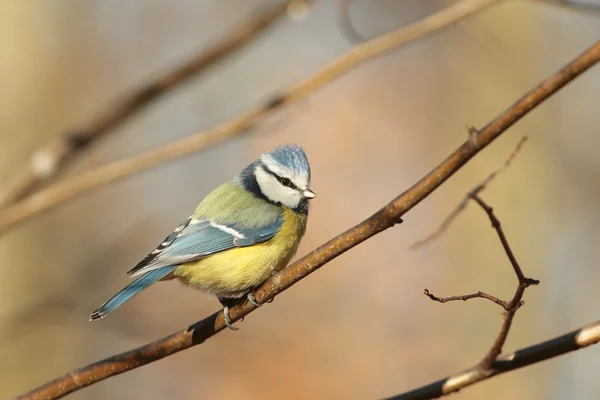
(575, 340)
(383, 219)
(112, 172)
(48, 161)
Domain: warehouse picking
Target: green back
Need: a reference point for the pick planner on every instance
(232, 204)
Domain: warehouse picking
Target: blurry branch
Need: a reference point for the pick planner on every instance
(580, 7)
(346, 25)
(48, 161)
(27, 319)
(383, 219)
(484, 367)
(61, 192)
(476, 190)
(575, 340)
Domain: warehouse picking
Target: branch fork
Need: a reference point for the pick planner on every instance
(510, 307)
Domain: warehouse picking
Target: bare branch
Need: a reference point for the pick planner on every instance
(488, 366)
(516, 302)
(48, 161)
(465, 297)
(61, 192)
(559, 346)
(383, 219)
(483, 369)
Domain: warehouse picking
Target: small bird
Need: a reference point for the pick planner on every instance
(241, 233)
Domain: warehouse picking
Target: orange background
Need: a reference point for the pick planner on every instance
(361, 326)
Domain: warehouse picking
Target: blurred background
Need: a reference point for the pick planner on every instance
(360, 327)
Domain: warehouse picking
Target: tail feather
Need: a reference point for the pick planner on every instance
(131, 290)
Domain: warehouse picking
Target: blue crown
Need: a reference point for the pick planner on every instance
(291, 156)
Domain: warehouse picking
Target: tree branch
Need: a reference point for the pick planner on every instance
(383, 219)
(61, 192)
(575, 340)
(48, 161)
(578, 7)
(465, 297)
(516, 302)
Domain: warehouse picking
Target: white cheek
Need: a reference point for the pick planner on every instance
(294, 199)
(275, 191)
(301, 181)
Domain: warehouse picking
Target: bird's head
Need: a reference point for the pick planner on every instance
(280, 176)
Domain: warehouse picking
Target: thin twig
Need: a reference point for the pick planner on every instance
(48, 161)
(498, 227)
(465, 297)
(383, 219)
(517, 300)
(61, 192)
(450, 218)
(543, 351)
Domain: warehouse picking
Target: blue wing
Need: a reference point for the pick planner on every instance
(201, 237)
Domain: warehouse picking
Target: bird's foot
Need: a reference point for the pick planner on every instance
(228, 319)
(252, 300)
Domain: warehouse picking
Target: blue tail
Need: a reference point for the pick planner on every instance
(128, 292)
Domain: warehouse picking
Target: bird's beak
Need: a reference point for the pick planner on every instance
(308, 194)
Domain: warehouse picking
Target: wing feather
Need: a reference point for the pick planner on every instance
(161, 247)
(201, 237)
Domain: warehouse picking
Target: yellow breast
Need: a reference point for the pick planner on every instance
(232, 273)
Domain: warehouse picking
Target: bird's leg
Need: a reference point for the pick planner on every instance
(225, 302)
(252, 300)
(228, 319)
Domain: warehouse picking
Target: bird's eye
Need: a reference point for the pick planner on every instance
(286, 182)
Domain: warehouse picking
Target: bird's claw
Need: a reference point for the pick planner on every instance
(228, 319)
(252, 300)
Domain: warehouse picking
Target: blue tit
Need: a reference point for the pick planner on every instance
(241, 233)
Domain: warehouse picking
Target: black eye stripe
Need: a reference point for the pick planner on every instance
(284, 181)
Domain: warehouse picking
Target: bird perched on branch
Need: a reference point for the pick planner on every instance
(239, 235)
